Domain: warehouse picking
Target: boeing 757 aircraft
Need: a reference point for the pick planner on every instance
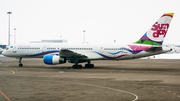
(58, 53)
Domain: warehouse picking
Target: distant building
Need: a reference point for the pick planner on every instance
(3, 46)
(50, 41)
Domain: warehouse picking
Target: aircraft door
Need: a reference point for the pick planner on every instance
(102, 50)
(14, 49)
(44, 48)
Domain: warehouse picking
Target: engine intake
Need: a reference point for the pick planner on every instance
(53, 60)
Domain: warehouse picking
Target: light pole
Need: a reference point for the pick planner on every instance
(14, 35)
(61, 39)
(84, 35)
(9, 28)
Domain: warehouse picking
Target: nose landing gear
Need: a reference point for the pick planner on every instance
(20, 64)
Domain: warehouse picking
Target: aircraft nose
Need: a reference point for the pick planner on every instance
(4, 52)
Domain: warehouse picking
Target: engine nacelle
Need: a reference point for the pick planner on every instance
(53, 60)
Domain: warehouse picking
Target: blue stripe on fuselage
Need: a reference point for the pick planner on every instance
(44, 53)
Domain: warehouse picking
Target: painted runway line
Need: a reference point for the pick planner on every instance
(136, 97)
(13, 72)
(169, 91)
(5, 95)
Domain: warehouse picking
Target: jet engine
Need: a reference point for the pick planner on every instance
(53, 59)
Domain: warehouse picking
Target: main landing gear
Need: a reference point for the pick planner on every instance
(89, 65)
(20, 64)
(76, 66)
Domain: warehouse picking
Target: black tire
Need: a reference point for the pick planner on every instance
(20, 65)
(77, 66)
(86, 65)
(92, 65)
(89, 65)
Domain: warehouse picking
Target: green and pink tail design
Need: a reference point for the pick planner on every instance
(156, 34)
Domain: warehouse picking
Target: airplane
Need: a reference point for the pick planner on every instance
(58, 53)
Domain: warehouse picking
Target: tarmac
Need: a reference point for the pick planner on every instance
(126, 80)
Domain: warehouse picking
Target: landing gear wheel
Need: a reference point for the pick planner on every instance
(77, 66)
(89, 65)
(92, 65)
(20, 65)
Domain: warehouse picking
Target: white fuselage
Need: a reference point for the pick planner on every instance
(93, 52)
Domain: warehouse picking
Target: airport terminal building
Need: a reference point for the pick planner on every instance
(50, 41)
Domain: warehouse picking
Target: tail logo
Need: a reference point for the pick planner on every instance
(159, 29)
(156, 34)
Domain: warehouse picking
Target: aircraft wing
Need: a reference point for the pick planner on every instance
(70, 54)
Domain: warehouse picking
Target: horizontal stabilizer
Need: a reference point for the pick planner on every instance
(154, 49)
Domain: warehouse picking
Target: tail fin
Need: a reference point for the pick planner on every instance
(156, 34)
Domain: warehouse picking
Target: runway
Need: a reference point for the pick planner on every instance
(127, 80)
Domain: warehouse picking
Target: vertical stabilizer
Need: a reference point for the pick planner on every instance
(156, 34)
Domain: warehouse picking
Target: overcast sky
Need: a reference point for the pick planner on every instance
(103, 20)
